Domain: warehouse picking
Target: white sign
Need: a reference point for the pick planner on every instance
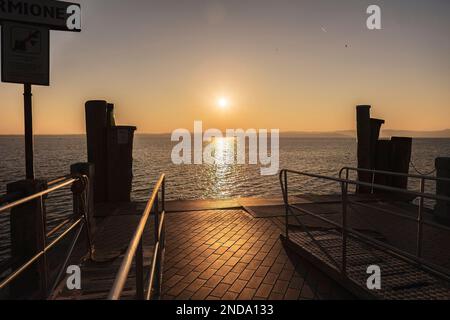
(25, 54)
(57, 15)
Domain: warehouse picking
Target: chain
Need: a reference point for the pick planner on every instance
(422, 174)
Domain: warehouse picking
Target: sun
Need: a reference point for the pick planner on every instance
(223, 102)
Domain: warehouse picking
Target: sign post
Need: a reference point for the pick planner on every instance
(26, 26)
(28, 114)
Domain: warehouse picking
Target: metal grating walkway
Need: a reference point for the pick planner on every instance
(400, 280)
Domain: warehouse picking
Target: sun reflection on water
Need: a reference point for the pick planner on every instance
(223, 152)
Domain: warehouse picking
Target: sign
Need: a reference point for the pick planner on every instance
(56, 15)
(25, 54)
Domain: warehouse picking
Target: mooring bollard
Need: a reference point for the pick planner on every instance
(442, 209)
(96, 124)
(120, 163)
(364, 149)
(401, 149)
(110, 149)
(28, 237)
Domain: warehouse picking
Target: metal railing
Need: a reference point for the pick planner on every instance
(80, 189)
(346, 231)
(135, 251)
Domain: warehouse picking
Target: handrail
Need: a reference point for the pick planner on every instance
(390, 173)
(135, 249)
(37, 195)
(346, 232)
(80, 220)
(366, 184)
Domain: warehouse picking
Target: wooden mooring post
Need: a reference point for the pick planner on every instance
(442, 209)
(110, 149)
(382, 155)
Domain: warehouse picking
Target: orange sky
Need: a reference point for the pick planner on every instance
(282, 64)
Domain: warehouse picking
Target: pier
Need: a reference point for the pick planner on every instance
(214, 250)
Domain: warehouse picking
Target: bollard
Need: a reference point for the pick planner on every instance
(363, 136)
(401, 149)
(382, 163)
(96, 124)
(28, 237)
(442, 208)
(120, 163)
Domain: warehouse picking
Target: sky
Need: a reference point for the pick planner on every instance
(293, 65)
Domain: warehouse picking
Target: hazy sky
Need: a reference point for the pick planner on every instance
(281, 63)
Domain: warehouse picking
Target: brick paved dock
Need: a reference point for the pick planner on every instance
(214, 250)
(228, 254)
(232, 249)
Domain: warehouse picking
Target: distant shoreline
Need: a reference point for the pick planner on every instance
(348, 134)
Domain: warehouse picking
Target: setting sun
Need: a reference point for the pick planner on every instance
(223, 102)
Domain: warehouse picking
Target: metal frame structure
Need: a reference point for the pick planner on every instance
(80, 219)
(135, 251)
(348, 232)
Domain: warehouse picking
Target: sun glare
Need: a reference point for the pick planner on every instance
(223, 102)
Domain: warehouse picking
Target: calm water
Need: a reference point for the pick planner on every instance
(53, 156)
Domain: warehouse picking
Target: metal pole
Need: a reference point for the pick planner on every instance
(344, 187)
(157, 240)
(286, 204)
(420, 220)
(28, 114)
(140, 271)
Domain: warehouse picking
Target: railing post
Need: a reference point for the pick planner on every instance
(344, 187)
(286, 204)
(163, 195)
(140, 271)
(27, 239)
(157, 240)
(420, 220)
(373, 182)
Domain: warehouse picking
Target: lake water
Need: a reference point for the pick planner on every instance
(152, 156)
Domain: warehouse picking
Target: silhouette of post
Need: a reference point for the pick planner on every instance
(401, 149)
(110, 149)
(364, 145)
(442, 208)
(375, 129)
(96, 124)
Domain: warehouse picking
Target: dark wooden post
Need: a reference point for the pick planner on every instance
(28, 237)
(442, 209)
(375, 129)
(86, 169)
(120, 165)
(401, 149)
(96, 124)
(382, 163)
(111, 120)
(363, 136)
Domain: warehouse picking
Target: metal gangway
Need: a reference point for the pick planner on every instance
(379, 229)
